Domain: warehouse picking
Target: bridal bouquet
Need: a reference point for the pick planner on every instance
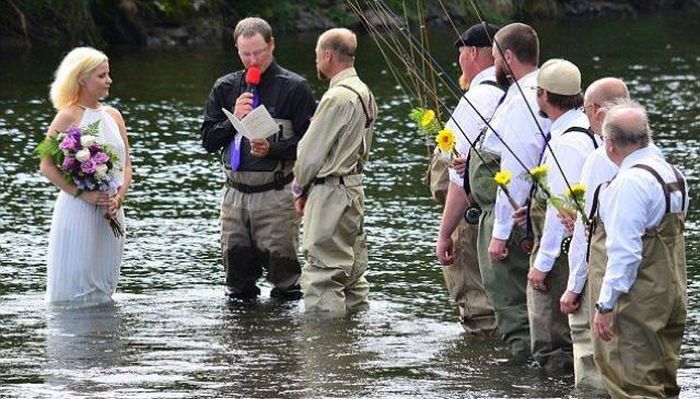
(88, 165)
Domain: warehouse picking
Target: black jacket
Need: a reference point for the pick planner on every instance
(285, 94)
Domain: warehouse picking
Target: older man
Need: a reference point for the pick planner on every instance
(638, 263)
(596, 170)
(459, 256)
(259, 228)
(559, 97)
(515, 136)
(328, 182)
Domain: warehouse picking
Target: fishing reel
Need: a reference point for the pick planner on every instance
(565, 244)
(472, 214)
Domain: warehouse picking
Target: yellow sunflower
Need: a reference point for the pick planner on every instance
(427, 118)
(445, 140)
(539, 172)
(576, 191)
(502, 178)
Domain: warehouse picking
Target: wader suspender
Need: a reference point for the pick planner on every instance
(668, 188)
(466, 187)
(591, 219)
(528, 222)
(368, 119)
(368, 122)
(582, 130)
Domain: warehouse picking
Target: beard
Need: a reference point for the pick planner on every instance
(542, 114)
(502, 78)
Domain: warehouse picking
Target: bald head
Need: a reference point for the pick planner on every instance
(627, 125)
(606, 90)
(341, 41)
(599, 95)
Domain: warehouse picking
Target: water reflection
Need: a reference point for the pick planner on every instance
(81, 343)
(172, 334)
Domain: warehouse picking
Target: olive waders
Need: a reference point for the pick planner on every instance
(504, 281)
(642, 358)
(549, 327)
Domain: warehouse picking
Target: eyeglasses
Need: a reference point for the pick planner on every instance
(539, 90)
(590, 105)
(255, 53)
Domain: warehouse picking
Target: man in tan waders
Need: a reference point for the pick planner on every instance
(456, 247)
(638, 263)
(570, 141)
(597, 169)
(503, 264)
(259, 228)
(328, 182)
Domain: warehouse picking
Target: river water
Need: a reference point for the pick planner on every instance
(171, 334)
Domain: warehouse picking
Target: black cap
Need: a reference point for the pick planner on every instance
(476, 36)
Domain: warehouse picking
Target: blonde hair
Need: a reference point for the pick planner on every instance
(76, 65)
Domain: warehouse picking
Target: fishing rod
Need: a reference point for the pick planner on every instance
(480, 15)
(412, 41)
(400, 54)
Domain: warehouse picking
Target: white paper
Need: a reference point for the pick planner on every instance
(257, 124)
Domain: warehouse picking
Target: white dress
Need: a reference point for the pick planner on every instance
(84, 257)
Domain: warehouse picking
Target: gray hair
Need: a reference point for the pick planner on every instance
(251, 26)
(626, 124)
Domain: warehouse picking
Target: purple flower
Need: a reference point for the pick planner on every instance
(68, 164)
(100, 158)
(88, 166)
(69, 143)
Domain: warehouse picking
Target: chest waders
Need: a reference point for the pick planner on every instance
(504, 281)
(648, 321)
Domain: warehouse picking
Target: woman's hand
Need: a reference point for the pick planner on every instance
(98, 198)
(113, 205)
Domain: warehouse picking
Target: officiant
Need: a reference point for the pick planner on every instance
(259, 228)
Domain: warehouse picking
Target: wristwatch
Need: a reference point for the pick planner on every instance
(602, 309)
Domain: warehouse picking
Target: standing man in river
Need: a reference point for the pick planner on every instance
(259, 228)
(456, 247)
(328, 182)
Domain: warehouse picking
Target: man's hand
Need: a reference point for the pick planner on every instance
(243, 105)
(460, 165)
(536, 279)
(444, 250)
(497, 250)
(520, 217)
(259, 148)
(602, 324)
(299, 204)
(569, 302)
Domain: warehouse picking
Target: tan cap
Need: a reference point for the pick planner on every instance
(559, 76)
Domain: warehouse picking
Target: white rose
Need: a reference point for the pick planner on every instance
(82, 155)
(101, 169)
(87, 140)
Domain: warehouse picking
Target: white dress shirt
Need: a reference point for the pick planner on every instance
(597, 170)
(515, 125)
(633, 203)
(571, 150)
(485, 98)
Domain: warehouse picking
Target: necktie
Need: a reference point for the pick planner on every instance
(235, 146)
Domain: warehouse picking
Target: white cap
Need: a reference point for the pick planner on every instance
(560, 76)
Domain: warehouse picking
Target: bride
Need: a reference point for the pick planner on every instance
(84, 257)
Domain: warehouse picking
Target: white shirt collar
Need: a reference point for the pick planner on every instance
(572, 117)
(634, 157)
(487, 73)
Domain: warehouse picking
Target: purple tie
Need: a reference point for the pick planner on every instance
(235, 147)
